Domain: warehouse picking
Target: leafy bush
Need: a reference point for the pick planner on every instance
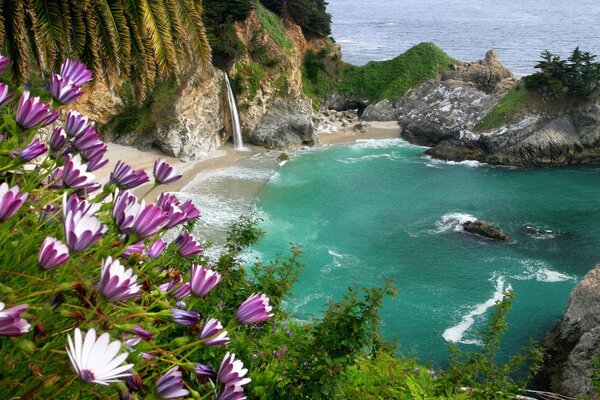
(380, 80)
(319, 74)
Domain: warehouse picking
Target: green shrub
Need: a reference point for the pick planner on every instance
(319, 74)
(380, 80)
(512, 104)
(311, 15)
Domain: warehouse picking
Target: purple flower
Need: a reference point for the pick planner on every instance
(11, 323)
(87, 140)
(165, 287)
(187, 245)
(3, 63)
(190, 210)
(205, 371)
(118, 283)
(5, 95)
(170, 385)
(156, 248)
(164, 173)
(76, 124)
(181, 291)
(203, 280)
(184, 317)
(231, 392)
(255, 309)
(133, 381)
(213, 333)
(137, 248)
(52, 253)
(124, 177)
(75, 71)
(232, 371)
(82, 229)
(64, 90)
(149, 221)
(96, 163)
(142, 333)
(75, 174)
(31, 151)
(58, 139)
(125, 211)
(32, 112)
(10, 201)
(170, 205)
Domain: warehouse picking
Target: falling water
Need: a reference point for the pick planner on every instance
(238, 142)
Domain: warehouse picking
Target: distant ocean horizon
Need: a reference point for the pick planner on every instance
(467, 29)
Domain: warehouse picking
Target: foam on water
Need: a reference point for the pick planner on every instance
(453, 221)
(353, 160)
(383, 144)
(435, 163)
(457, 333)
(540, 271)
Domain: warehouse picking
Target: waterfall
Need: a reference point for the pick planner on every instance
(238, 143)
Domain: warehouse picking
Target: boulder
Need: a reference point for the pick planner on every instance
(573, 345)
(361, 127)
(287, 125)
(485, 229)
(381, 111)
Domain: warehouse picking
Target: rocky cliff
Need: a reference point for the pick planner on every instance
(194, 117)
(573, 346)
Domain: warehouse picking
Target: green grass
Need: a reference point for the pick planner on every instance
(513, 103)
(247, 80)
(380, 80)
(274, 27)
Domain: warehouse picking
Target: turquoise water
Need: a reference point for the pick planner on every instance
(378, 208)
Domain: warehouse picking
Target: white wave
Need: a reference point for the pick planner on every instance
(333, 253)
(540, 271)
(354, 160)
(435, 163)
(456, 333)
(453, 221)
(282, 163)
(382, 143)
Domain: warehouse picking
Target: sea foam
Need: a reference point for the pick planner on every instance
(453, 221)
(456, 333)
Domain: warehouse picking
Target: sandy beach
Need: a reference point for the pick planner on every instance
(225, 156)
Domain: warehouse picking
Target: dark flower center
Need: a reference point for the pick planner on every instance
(87, 375)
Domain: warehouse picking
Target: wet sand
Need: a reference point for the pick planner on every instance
(223, 157)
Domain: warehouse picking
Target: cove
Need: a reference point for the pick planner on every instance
(379, 208)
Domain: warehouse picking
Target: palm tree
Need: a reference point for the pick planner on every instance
(139, 40)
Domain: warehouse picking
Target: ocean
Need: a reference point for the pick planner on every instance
(466, 29)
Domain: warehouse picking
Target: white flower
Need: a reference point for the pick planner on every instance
(94, 360)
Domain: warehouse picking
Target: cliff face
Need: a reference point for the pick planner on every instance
(195, 119)
(573, 345)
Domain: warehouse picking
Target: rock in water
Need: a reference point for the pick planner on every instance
(486, 230)
(573, 344)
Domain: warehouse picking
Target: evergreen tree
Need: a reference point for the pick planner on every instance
(311, 15)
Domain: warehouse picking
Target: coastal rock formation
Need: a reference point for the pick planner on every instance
(286, 125)
(532, 140)
(485, 229)
(573, 345)
(195, 123)
(485, 74)
(434, 111)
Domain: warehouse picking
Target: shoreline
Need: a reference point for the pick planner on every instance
(225, 156)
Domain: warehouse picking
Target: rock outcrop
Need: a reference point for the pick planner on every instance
(485, 74)
(486, 230)
(195, 125)
(434, 111)
(574, 345)
(532, 140)
(286, 125)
